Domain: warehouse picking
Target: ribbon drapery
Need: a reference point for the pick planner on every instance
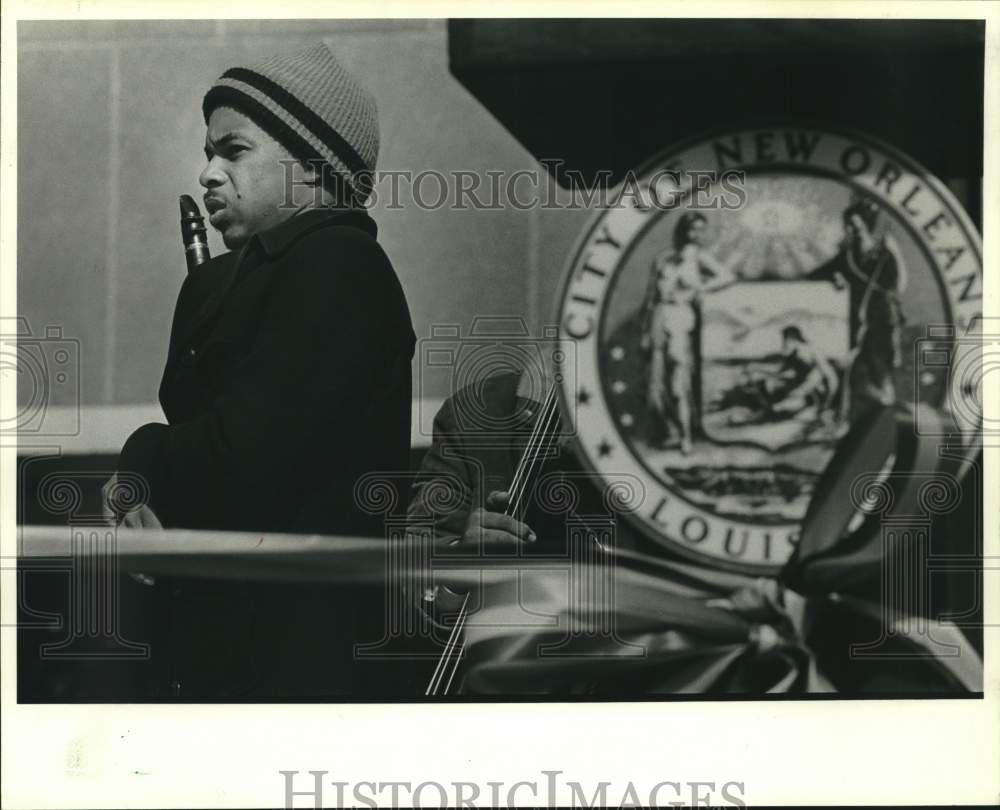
(669, 627)
(679, 628)
(670, 635)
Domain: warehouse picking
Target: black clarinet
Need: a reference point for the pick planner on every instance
(193, 233)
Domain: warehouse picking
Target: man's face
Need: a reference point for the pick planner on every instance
(244, 179)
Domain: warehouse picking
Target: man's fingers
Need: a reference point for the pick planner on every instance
(106, 510)
(508, 525)
(141, 518)
(495, 528)
(497, 501)
(148, 518)
(493, 517)
(496, 537)
(151, 519)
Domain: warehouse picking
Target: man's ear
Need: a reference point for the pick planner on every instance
(310, 173)
(312, 177)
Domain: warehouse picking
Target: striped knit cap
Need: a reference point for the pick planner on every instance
(313, 107)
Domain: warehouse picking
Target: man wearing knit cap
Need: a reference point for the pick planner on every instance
(309, 107)
(287, 377)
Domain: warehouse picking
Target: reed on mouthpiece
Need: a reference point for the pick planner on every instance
(193, 233)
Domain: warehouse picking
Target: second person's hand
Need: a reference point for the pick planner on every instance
(490, 527)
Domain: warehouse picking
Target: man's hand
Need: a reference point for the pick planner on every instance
(491, 527)
(140, 518)
(109, 486)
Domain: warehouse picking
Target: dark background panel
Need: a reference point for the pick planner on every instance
(609, 94)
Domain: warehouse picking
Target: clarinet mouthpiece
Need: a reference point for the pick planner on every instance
(193, 233)
(189, 208)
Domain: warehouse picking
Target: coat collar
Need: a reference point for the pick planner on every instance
(278, 239)
(210, 286)
(272, 243)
